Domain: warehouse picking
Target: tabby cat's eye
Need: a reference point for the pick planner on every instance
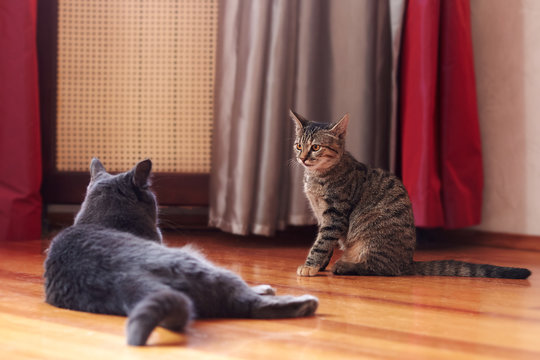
(298, 146)
(316, 147)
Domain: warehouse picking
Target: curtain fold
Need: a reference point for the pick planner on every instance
(253, 91)
(20, 148)
(441, 150)
(397, 10)
(344, 65)
(322, 58)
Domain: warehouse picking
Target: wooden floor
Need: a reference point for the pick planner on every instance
(358, 317)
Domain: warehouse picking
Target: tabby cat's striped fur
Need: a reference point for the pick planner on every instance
(366, 211)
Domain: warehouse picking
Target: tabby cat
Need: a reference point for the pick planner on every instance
(111, 261)
(366, 211)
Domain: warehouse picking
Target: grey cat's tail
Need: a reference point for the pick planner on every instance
(461, 268)
(170, 309)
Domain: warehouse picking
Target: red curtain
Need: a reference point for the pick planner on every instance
(441, 158)
(20, 148)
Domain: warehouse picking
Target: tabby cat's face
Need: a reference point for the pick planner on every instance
(318, 146)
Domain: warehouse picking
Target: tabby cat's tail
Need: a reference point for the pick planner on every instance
(461, 268)
(169, 308)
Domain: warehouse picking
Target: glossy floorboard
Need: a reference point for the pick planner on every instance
(358, 317)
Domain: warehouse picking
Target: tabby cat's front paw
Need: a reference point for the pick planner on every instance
(304, 270)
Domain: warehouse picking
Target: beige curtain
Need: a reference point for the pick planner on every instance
(322, 58)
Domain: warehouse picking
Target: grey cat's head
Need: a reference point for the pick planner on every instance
(319, 146)
(122, 202)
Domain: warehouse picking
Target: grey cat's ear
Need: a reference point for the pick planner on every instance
(96, 168)
(340, 128)
(299, 121)
(141, 173)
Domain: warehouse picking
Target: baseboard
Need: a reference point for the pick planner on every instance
(59, 216)
(480, 238)
(174, 218)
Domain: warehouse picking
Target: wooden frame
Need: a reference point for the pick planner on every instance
(69, 187)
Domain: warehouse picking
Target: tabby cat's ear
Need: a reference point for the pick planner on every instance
(141, 173)
(96, 168)
(299, 121)
(340, 128)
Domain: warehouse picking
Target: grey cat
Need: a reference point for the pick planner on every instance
(366, 211)
(111, 261)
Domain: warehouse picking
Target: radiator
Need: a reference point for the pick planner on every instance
(136, 80)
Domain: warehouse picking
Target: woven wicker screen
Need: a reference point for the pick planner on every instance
(135, 80)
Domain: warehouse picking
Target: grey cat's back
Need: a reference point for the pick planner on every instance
(136, 261)
(85, 282)
(112, 261)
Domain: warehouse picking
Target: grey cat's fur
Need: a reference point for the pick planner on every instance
(366, 211)
(111, 261)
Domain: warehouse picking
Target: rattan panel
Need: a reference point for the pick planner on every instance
(135, 80)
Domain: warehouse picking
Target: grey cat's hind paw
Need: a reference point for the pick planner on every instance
(274, 307)
(308, 305)
(264, 290)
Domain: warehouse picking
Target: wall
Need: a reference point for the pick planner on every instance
(506, 38)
